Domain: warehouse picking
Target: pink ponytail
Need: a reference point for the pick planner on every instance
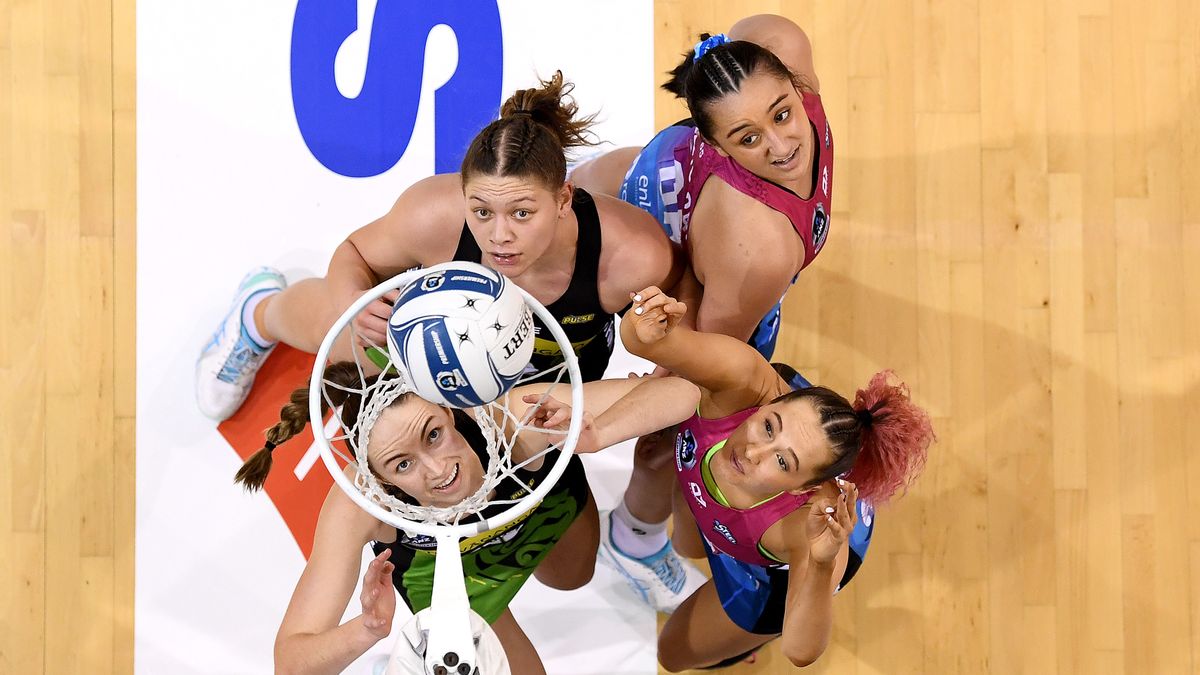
(896, 435)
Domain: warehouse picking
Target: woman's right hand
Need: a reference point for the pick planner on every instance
(378, 598)
(654, 314)
(371, 323)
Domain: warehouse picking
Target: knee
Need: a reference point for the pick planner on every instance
(654, 450)
(669, 656)
(577, 576)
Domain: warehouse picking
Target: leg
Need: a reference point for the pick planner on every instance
(634, 536)
(570, 564)
(605, 173)
(522, 657)
(648, 496)
(301, 315)
(699, 634)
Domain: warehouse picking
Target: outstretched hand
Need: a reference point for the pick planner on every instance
(553, 414)
(654, 314)
(371, 324)
(833, 511)
(378, 599)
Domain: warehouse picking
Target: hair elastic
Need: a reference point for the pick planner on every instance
(703, 46)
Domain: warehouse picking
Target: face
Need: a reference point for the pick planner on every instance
(415, 447)
(780, 448)
(764, 128)
(514, 220)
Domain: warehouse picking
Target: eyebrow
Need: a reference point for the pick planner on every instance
(401, 451)
(746, 124)
(524, 198)
(778, 419)
(795, 459)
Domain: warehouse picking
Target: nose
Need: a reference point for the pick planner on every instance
(435, 468)
(502, 232)
(756, 451)
(776, 144)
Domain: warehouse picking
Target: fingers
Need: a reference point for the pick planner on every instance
(372, 323)
(835, 520)
(646, 305)
(849, 496)
(549, 413)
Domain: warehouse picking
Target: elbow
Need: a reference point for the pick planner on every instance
(804, 655)
(285, 656)
(803, 660)
(689, 399)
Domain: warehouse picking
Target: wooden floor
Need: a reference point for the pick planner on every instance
(1015, 228)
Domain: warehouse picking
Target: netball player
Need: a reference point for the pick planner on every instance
(510, 208)
(745, 185)
(435, 456)
(760, 468)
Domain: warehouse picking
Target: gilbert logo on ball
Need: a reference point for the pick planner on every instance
(462, 333)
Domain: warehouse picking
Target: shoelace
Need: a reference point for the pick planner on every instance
(669, 571)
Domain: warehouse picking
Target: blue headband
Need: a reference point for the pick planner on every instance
(702, 47)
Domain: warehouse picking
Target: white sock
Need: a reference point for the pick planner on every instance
(248, 317)
(636, 538)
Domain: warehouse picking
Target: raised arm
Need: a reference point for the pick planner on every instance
(310, 640)
(615, 410)
(783, 38)
(734, 375)
(818, 550)
(420, 229)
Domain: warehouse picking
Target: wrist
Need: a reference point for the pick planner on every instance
(364, 637)
(821, 566)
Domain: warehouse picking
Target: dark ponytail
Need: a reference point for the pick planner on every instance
(535, 129)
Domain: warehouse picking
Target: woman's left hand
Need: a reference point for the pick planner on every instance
(555, 415)
(832, 514)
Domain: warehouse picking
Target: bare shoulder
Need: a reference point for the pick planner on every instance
(729, 228)
(635, 252)
(426, 219)
(784, 38)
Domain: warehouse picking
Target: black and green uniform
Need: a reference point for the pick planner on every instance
(589, 328)
(498, 562)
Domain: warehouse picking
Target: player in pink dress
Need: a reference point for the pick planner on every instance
(775, 482)
(745, 185)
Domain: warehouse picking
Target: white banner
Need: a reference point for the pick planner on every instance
(250, 154)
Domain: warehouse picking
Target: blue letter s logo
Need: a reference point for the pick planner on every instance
(367, 134)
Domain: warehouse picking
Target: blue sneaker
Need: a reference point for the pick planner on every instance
(225, 370)
(662, 580)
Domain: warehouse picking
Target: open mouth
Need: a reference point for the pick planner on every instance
(787, 160)
(505, 258)
(449, 481)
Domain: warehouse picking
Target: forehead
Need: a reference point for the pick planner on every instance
(753, 100)
(505, 189)
(802, 427)
(401, 423)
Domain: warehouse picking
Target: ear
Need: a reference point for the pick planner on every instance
(564, 199)
(719, 149)
(801, 491)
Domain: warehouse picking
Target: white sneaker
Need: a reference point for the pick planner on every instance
(662, 580)
(225, 370)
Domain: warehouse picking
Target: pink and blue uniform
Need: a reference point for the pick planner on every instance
(751, 582)
(669, 173)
